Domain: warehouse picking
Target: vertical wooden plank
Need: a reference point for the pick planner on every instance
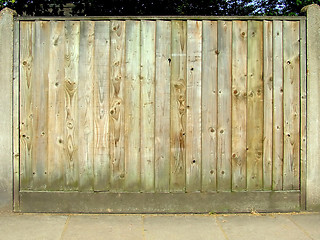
(27, 35)
(148, 30)
(71, 83)
(132, 107)
(239, 105)
(101, 106)
(255, 105)
(16, 115)
(193, 125)
(303, 113)
(57, 143)
(162, 106)
(39, 100)
(178, 105)
(267, 101)
(209, 105)
(291, 102)
(224, 105)
(277, 152)
(85, 101)
(116, 124)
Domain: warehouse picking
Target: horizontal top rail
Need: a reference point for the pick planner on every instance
(101, 18)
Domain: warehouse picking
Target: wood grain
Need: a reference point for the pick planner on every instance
(117, 106)
(255, 106)
(101, 104)
(277, 165)
(57, 143)
(178, 106)
(39, 99)
(148, 48)
(85, 103)
(268, 105)
(291, 102)
(27, 35)
(71, 83)
(193, 125)
(209, 116)
(224, 105)
(162, 106)
(239, 105)
(132, 108)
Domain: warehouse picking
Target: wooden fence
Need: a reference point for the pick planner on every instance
(160, 106)
(192, 111)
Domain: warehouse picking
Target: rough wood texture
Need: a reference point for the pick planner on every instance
(239, 105)
(57, 143)
(268, 105)
(193, 125)
(101, 104)
(85, 104)
(224, 105)
(132, 108)
(148, 30)
(71, 83)
(209, 105)
(291, 86)
(26, 121)
(255, 106)
(303, 113)
(117, 93)
(178, 106)
(162, 106)
(277, 165)
(16, 116)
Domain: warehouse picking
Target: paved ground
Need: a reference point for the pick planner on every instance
(169, 227)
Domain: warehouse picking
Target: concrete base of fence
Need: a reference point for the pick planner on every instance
(313, 108)
(6, 69)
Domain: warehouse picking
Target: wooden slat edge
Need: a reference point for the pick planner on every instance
(16, 116)
(303, 114)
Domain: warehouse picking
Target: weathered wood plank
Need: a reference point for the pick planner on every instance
(27, 35)
(162, 106)
(178, 106)
(303, 114)
(148, 48)
(85, 103)
(16, 116)
(117, 93)
(255, 106)
(291, 102)
(57, 143)
(277, 164)
(209, 105)
(224, 105)
(132, 107)
(268, 105)
(39, 101)
(239, 105)
(193, 124)
(71, 83)
(101, 106)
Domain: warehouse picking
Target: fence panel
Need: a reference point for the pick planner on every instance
(160, 105)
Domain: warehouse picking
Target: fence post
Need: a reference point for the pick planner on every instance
(6, 77)
(313, 108)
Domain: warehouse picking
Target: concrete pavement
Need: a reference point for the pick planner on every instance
(293, 226)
